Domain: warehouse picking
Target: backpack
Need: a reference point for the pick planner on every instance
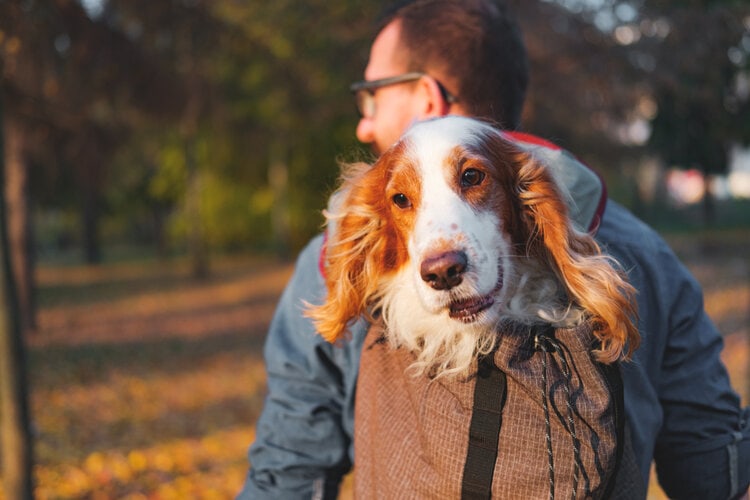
(540, 418)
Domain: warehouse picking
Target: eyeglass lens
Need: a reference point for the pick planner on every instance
(365, 103)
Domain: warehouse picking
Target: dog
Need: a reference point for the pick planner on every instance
(454, 232)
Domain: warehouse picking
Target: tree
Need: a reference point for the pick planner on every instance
(15, 435)
(581, 82)
(71, 89)
(682, 64)
(700, 113)
(270, 115)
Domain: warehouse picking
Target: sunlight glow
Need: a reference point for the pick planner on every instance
(94, 8)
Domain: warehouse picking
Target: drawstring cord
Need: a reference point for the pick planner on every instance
(548, 432)
(549, 347)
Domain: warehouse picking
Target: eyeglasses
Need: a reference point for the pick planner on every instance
(364, 91)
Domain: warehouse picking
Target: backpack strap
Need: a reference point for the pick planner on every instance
(613, 377)
(490, 393)
(484, 430)
(626, 481)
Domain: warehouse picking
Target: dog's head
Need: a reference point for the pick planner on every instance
(454, 230)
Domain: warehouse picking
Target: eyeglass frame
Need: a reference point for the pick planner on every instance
(365, 89)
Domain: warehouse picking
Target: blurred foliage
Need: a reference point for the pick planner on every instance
(226, 119)
(702, 110)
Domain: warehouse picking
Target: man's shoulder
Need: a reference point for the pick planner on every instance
(625, 236)
(581, 188)
(307, 269)
(312, 250)
(620, 225)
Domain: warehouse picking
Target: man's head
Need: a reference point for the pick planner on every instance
(472, 58)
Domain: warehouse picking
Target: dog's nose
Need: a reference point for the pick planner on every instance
(444, 271)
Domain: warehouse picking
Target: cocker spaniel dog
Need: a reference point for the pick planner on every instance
(454, 231)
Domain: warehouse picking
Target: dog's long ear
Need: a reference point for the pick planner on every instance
(356, 251)
(593, 280)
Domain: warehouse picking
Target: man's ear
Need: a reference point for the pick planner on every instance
(431, 101)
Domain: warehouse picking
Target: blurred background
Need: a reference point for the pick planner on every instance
(165, 160)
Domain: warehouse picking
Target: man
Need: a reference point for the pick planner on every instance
(435, 57)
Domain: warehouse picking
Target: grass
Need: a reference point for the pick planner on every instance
(146, 384)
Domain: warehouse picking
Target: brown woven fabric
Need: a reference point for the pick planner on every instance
(411, 433)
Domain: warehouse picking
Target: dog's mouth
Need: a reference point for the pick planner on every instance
(468, 310)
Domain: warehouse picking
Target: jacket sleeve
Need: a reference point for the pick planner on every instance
(680, 404)
(703, 449)
(304, 433)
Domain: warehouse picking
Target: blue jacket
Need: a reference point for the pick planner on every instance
(681, 410)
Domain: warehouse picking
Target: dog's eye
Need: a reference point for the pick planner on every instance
(471, 177)
(401, 201)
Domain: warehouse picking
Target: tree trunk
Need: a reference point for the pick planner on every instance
(90, 214)
(709, 204)
(15, 435)
(278, 179)
(158, 218)
(18, 220)
(199, 263)
(197, 245)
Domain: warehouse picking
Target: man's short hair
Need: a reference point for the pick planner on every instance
(473, 47)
